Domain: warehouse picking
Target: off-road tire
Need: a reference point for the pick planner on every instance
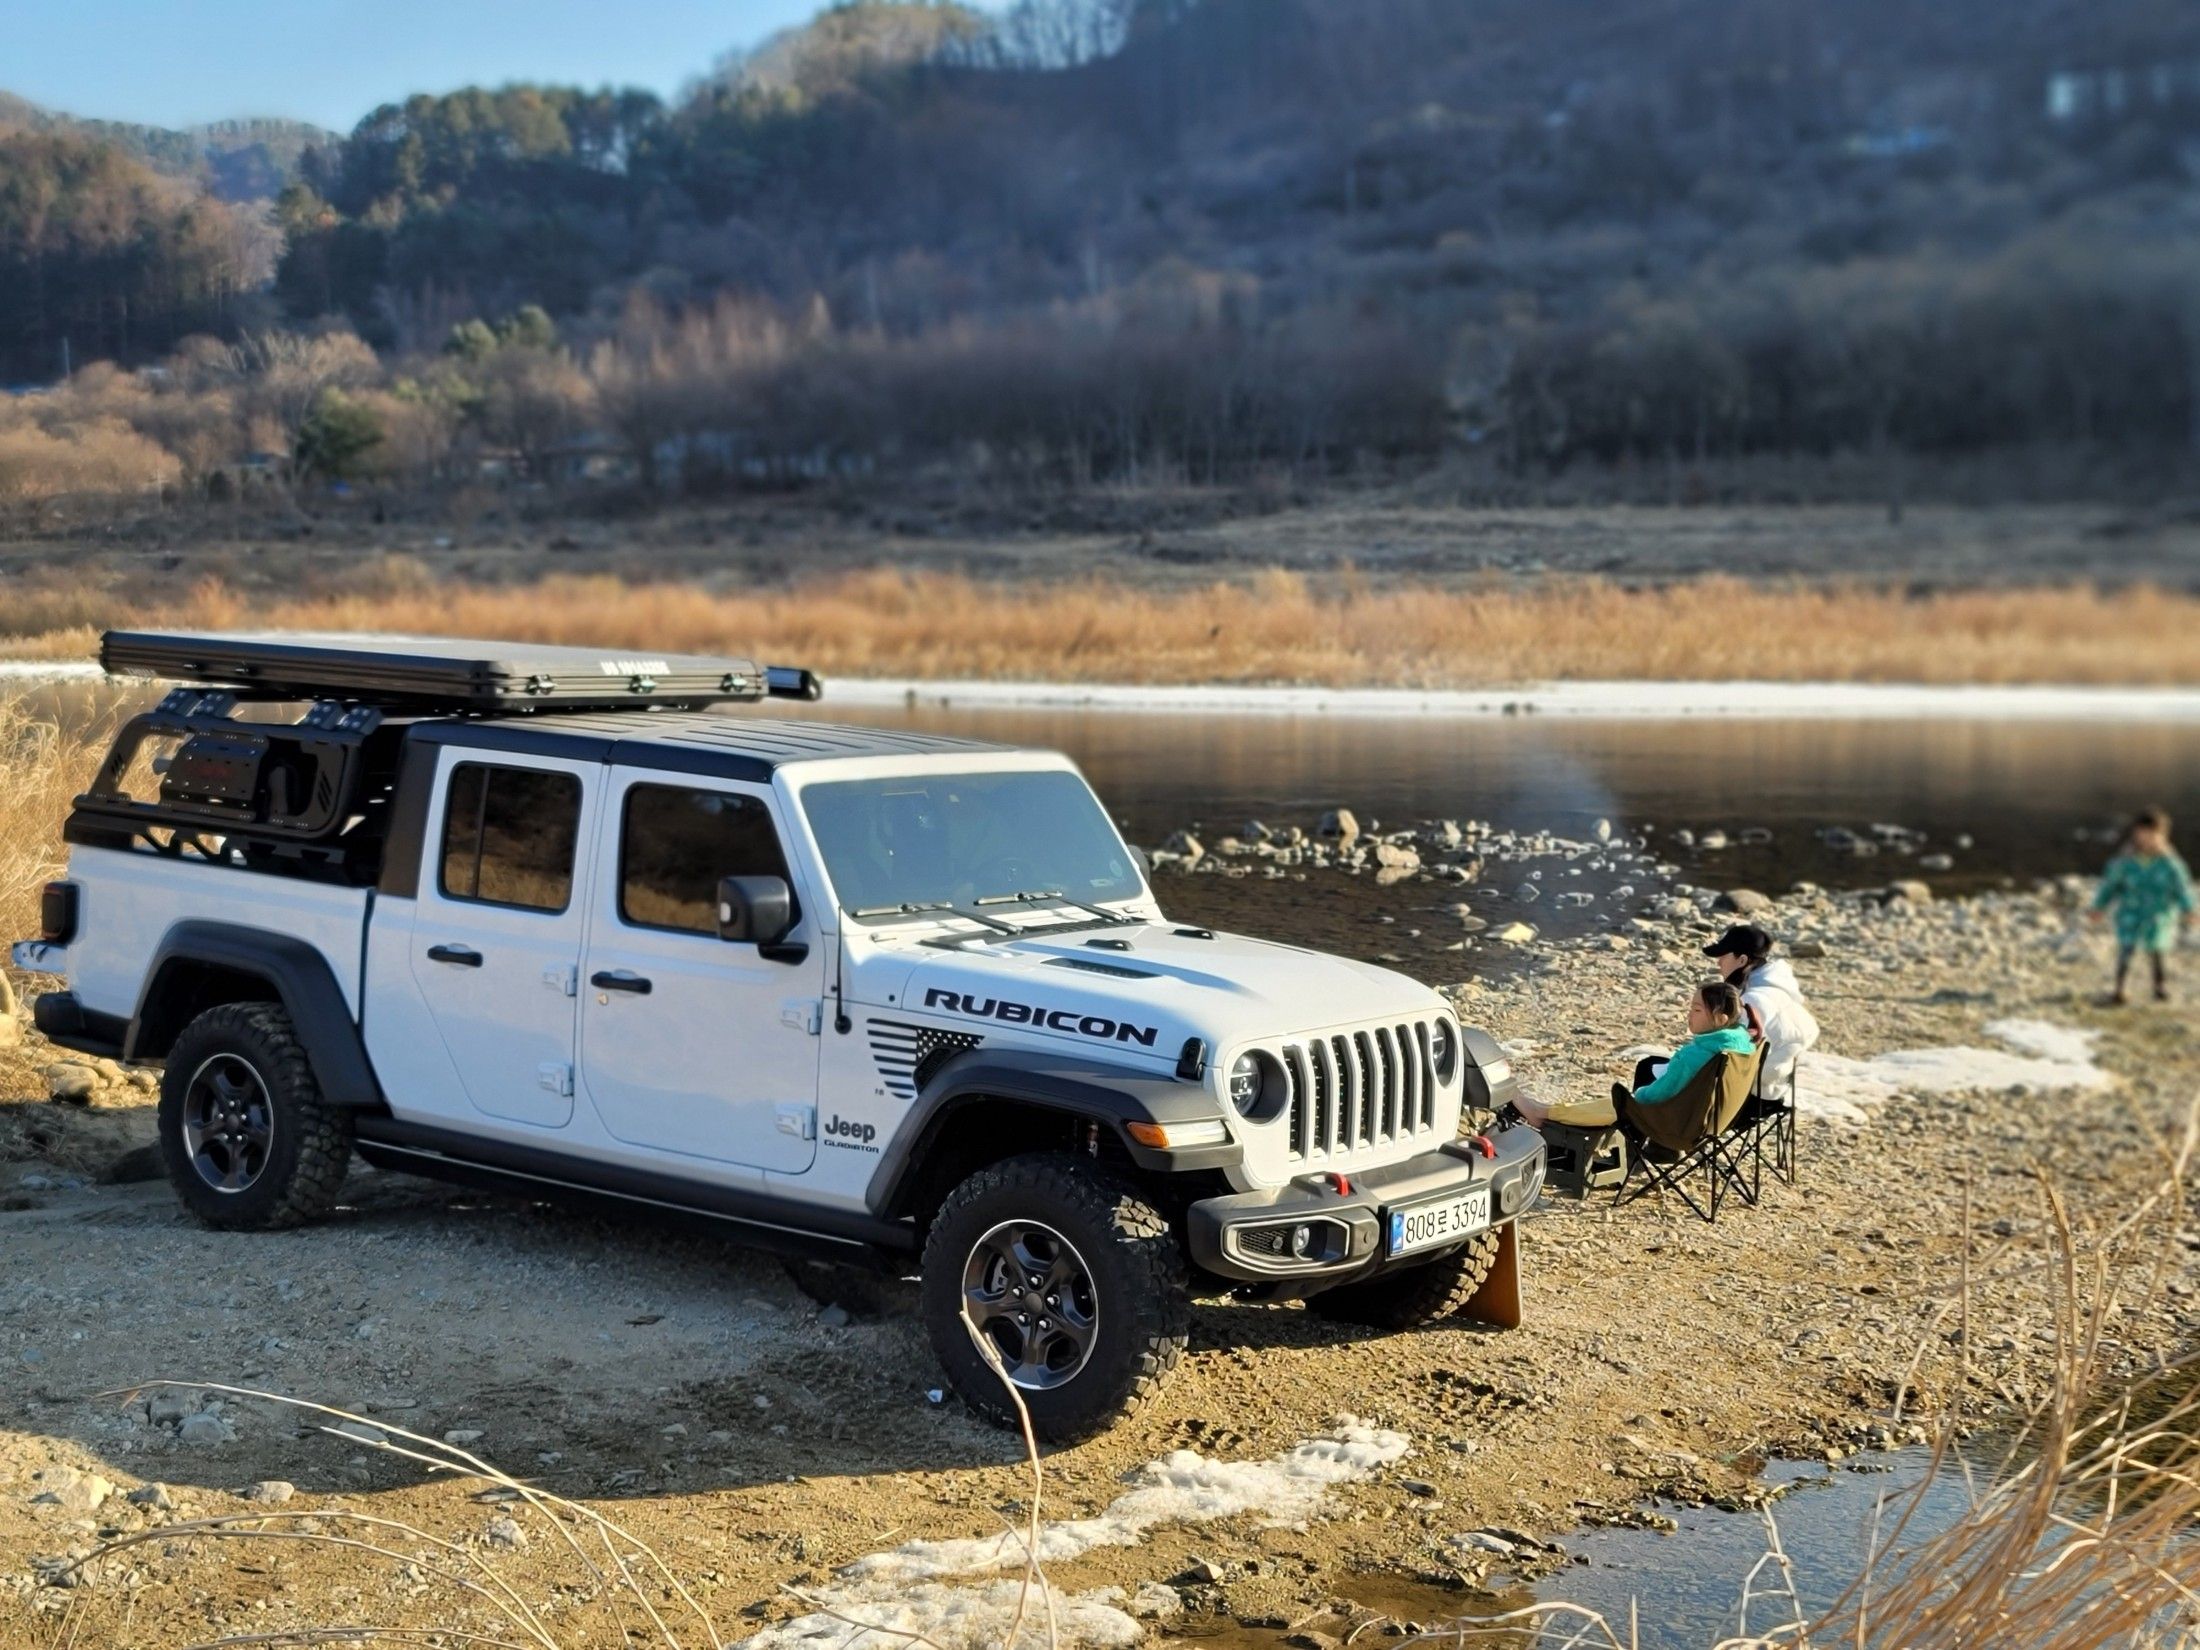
(1138, 1276)
(309, 1151)
(1415, 1298)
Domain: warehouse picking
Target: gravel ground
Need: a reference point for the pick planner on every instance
(762, 1428)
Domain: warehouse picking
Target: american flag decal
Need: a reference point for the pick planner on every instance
(907, 1055)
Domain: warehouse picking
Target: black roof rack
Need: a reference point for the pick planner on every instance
(442, 675)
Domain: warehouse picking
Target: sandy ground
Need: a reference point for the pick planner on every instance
(719, 1406)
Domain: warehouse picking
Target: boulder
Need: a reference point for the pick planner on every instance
(1340, 826)
(1394, 856)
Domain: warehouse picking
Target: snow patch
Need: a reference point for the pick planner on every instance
(2045, 1039)
(1183, 1487)
(2054, 1060)
(899, 1593)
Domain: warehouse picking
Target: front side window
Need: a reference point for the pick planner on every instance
(956, 838)
(509, 836)
(678, 843)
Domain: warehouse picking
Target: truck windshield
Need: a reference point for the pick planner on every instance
(944, 840)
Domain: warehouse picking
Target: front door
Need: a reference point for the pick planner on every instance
(689, 1044)
(496, 934)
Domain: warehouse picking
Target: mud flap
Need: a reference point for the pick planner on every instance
(1497, 1302)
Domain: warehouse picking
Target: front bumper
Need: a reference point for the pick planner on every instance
(1237, 1237)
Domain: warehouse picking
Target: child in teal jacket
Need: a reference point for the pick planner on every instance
(2149, 889)
(1715, 1027)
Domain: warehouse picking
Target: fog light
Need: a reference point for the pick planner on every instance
(1302, 1241)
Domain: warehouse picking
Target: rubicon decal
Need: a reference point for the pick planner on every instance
(1096, 1026)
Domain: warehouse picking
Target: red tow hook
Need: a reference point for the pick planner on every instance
(1341, 1184)
(1483, 1144)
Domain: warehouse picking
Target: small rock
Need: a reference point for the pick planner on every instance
(1340, 827)
(1916, 893)
(155, 1496)
(1199, 1573)
(1393, 856)
(361, 1432)
(71, 1083)
(72, 1491)
(1484, 1541)
(1186, 847)
(1514, 933)
(503, 1531)
(1152, 1599)
(1745, 902)
(205, 1428)
(461, 1437)
(269, 1492)
(835, 1316)
(1417, 1486)
(169, 1407)
(1936, 862)
(1311, 1640)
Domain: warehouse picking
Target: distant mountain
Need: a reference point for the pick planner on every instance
(233, 160)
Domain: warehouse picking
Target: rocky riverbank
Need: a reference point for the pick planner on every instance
(761, 1429)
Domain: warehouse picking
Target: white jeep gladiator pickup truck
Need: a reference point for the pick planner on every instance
(544, 919)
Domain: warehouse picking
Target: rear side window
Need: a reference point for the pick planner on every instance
(678, 843)
(509, 836)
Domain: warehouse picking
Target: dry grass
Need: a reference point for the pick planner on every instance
(44, 766)
(1275, 626)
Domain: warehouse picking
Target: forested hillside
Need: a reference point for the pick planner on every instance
(1120, 237)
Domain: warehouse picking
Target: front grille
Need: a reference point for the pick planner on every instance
(1359, 1089)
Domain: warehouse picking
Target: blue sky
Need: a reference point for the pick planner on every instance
(176, 62)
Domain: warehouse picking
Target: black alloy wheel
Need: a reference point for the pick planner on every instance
(1029, 1293)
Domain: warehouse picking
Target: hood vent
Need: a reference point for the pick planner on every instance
(1114, 971)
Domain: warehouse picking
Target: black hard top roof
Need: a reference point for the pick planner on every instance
(724, 744)
(426, 673)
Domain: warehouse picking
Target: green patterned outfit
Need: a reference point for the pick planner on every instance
(2148, 895)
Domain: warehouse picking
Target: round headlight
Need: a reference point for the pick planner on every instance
(1258, 1088)
(1443, 1048)
(1245, 1083)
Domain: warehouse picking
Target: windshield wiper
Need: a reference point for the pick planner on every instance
(947, 906)
(1036, 896)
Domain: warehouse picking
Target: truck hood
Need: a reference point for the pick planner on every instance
(1148, 988)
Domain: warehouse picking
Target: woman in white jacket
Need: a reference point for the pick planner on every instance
(1772, 1002)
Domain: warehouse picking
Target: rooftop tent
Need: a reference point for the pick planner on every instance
(438, 673)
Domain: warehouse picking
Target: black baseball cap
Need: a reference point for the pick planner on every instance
(1743, 940)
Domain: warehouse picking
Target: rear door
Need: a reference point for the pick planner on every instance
(496, 934)
(691, 1045)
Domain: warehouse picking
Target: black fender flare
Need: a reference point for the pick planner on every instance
(1068, 1085)
(298, 977)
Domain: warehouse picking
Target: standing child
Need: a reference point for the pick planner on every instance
(2150, 891)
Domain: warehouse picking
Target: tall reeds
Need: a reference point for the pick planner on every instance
(1275, 626)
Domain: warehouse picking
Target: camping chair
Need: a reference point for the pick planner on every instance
(1770, 1119)
(1694, 1144)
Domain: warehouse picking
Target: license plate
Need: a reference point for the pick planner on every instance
(1426, 1225)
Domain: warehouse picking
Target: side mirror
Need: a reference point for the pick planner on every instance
(754, 910)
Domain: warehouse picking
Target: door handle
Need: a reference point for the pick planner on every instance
(620, 981)
(461, 956)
